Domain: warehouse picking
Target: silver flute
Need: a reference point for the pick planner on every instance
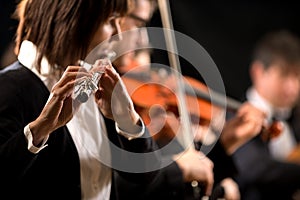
(89, 85)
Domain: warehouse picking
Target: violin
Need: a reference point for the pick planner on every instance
(155, 95)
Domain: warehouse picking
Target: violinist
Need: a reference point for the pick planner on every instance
(265, 169)
(174, 178)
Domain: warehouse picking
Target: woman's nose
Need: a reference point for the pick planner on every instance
(117, 34)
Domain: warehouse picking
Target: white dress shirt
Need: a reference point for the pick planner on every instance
(88, 131)
(281, 146)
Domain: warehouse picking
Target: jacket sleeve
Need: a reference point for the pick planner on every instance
(136, 159)
(168, 184)
(258, 171)
(223, 163)
(18, 107)
(224, 166)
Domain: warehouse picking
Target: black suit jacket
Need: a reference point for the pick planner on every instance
(53, 173)
(169, 183)
(260, 176)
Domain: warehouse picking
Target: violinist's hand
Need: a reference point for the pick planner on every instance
(196, 166)
(231, 189)
(59, 107)
(246, 124)
(114, 101)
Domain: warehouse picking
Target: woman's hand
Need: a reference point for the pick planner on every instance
(60, 105)
(114, 101)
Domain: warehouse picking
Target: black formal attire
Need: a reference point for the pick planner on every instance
(169, 184)
(263, 177)
(54, 172)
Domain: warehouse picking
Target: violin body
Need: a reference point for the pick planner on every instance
(156, 100)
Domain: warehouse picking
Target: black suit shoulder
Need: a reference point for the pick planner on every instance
(23, 96)
(261, 175)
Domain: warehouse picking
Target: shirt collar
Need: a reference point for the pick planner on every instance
(28, 55)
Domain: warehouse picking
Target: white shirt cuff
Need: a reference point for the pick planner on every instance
(131, 136)
(30, 146)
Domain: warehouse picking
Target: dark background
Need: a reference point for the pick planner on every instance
(7, 29)
(227, 30)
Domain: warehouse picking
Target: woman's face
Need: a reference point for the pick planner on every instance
(105, 32)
